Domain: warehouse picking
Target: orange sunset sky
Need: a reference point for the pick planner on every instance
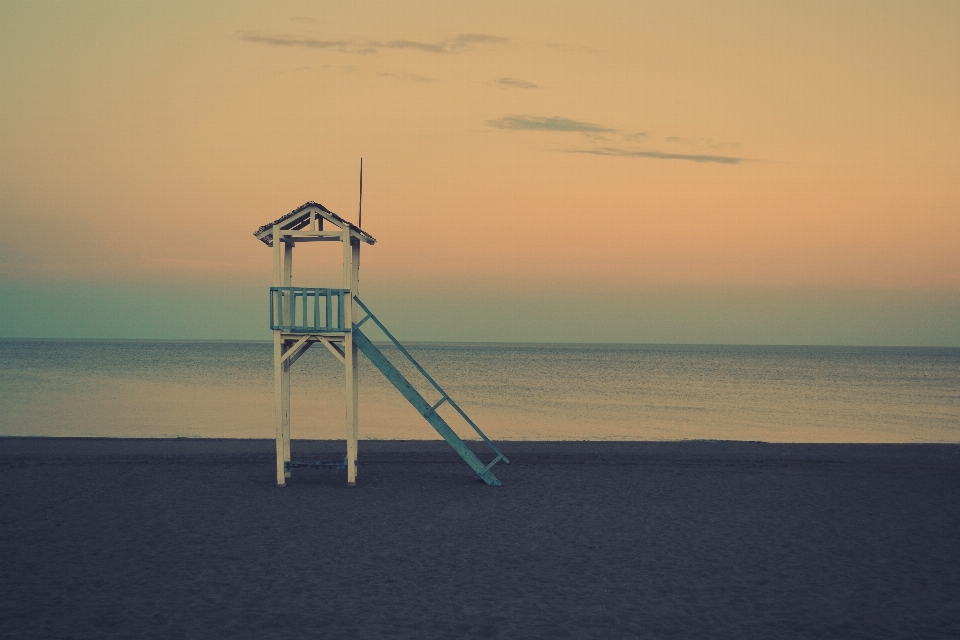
(745, 172)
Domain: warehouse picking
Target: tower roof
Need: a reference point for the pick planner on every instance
(299, 218)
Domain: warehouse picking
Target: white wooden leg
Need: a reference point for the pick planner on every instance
(286, 413)
(352, 379)
(278, 404)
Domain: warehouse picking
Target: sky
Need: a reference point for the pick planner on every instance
(659, 172)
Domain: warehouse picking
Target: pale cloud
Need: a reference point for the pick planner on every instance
(466, 39)
(658, 155)
(538, 123)
(402, 75)
(514, 83)
(288, 41)
(605, 139)
(703, 142)
(459, 44)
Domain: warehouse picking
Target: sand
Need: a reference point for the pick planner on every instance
(192, 539)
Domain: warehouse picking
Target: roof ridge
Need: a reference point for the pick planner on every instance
(268, 239)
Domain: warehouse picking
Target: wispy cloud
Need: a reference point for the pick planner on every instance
(703, 142)
(513, 83)
(658, 155)
(409, 44)
(608, 141)
(403, 75)
(459, 44)
(468, 39)
(537, 123)
(288, 41)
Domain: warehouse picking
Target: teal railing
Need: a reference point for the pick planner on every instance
(307, 309)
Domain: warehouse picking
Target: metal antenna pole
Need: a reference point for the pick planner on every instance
(360, 213)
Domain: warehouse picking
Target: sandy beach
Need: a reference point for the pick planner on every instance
(105, 538)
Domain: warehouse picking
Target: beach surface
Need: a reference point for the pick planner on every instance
(191, 538)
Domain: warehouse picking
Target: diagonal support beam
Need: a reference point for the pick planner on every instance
(302, 350)
(334, 349)
(297, 350)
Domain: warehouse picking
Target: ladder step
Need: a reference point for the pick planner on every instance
(493, 462)
(434, 407)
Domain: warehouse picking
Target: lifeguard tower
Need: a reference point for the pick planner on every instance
(303, 316)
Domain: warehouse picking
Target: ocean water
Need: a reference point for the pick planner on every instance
(512, 391)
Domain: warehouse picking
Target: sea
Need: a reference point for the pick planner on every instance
(147, 389)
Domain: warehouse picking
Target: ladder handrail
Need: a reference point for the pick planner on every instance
(426, 375)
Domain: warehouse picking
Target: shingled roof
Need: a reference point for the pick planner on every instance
(299, 218)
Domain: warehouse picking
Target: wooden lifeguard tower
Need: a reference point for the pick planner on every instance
(303, 316)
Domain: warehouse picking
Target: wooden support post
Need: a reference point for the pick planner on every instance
(285, 371)
(355, 263)
(287, 280)
(285, 391)
(350, 355)
(353, 317)
(278, 366)
(278, 360)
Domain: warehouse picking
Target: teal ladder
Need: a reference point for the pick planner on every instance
(429, 412)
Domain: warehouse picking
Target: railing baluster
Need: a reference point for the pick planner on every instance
(303, 292)
(329, 311)
(316, 309)
(273, 324)
(293, 308)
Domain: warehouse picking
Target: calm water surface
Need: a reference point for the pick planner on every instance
(539, 392)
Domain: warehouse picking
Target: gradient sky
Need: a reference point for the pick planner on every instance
(748, 172)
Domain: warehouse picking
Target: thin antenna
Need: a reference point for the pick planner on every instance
(360, 213)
